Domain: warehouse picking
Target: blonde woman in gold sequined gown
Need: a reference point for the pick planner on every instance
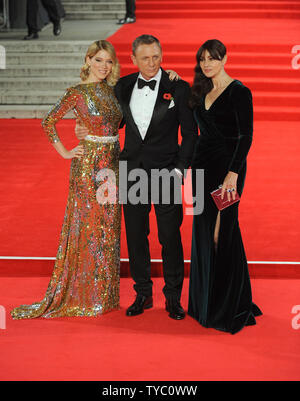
(86, 276)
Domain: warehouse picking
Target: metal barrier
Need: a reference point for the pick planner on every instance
(5, 15)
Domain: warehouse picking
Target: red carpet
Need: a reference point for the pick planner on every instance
(36, 184)
(110, 347)
(259, 53)
(202, 9)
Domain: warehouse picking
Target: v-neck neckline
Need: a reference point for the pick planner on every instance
(204, 97)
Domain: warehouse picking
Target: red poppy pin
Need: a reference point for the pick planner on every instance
(168, 96)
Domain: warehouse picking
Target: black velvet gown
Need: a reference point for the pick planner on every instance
(220, 291)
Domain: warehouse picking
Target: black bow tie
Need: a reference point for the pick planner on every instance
(142, 83)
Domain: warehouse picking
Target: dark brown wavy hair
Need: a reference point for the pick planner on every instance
(202, 85)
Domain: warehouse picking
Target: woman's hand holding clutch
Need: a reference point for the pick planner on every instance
(229, 185)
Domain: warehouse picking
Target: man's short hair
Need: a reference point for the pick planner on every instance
(144, 40)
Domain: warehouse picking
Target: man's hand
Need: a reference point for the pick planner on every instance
(80, 130)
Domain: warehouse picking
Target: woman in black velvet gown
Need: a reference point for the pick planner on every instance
(220, 291)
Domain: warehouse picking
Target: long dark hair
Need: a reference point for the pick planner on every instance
(202, 85)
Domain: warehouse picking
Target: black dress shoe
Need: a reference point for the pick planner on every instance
(31, 36)
(141, 302)
(127, 20)
(56, 29)
(175, 309)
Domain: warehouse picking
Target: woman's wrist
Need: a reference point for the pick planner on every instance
(64, 153)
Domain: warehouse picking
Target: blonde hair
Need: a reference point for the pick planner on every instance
(93, 49)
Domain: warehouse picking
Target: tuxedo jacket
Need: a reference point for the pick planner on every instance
(160, 148)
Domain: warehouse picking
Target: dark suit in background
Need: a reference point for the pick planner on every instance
(53, 8)
(130, 9)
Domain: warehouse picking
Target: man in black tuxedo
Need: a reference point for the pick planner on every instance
(153, 109)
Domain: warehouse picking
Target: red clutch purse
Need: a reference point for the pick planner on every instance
(223, 203)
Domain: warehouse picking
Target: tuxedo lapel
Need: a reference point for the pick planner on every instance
(161, 105)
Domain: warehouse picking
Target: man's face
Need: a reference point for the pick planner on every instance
(148, 59)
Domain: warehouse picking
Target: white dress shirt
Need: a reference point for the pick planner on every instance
(142, 103)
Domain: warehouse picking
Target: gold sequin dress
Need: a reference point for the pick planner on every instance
(86, 275)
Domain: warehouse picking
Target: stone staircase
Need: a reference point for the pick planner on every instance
(38, 72)
(91, 10)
